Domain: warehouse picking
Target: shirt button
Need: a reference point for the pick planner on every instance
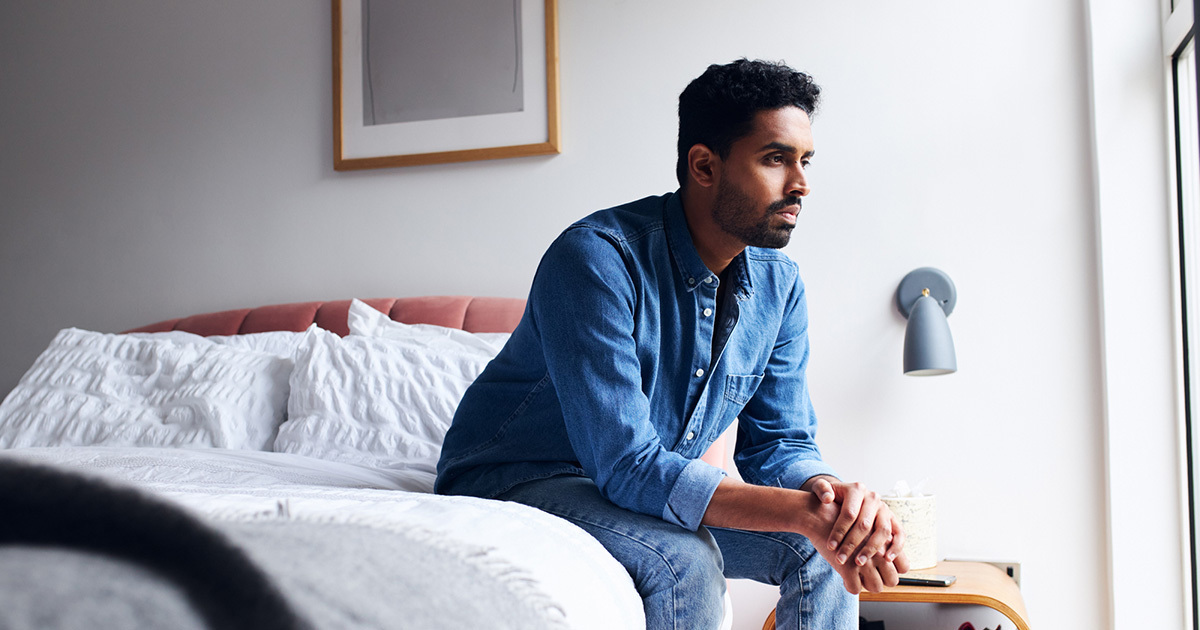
(691, 435)
(707, 312)
(699, 373)
(708, 280)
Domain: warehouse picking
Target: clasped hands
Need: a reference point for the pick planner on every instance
(864, 541)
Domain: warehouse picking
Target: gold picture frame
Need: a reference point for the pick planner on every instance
(533, 129)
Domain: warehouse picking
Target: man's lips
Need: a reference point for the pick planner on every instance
(787, 208)
(787, 211)
(791, 205)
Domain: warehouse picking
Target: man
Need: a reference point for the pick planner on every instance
(649, 328)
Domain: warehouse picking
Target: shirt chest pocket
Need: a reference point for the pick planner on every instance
(739, 390)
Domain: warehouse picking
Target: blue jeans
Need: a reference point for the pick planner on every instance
(681, 574)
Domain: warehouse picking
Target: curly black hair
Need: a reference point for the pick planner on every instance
(718, 107)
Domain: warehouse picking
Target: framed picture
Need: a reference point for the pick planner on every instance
(421, 82)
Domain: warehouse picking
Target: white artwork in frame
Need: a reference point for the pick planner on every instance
(418, 82)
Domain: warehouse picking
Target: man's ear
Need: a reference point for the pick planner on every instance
(703, 165)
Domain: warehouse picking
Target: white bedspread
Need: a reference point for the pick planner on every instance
(554, 560)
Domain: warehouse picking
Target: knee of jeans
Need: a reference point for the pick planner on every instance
(802, 559)
(692, 564)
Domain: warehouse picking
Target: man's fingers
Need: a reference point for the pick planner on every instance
(876, 543)
(824, 490)
(901, 563)
(851, 505)
(881, 537)
(871, 578)
(896, 547)
(887, 572)
(879, 574)
(849, 551)
(852, 581)
(862, 528)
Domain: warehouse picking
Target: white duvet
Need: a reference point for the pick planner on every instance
(560, 562)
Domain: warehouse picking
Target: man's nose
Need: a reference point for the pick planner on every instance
(798, 182)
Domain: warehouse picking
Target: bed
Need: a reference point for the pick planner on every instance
(272, 468)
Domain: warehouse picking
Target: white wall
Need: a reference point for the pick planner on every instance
(167, 158)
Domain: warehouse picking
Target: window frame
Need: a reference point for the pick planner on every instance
(1178, 39)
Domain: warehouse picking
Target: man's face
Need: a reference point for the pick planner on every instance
(758, 196)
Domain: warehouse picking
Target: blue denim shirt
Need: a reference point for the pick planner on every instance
(619, 370)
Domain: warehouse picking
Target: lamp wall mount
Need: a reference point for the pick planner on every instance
(940, 286)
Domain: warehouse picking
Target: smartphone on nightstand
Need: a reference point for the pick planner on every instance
(926, 579)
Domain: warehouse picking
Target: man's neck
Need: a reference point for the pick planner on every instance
(716, 247)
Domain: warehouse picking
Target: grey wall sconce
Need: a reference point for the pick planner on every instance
(926, 296)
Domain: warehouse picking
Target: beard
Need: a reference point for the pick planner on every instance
(734, 212)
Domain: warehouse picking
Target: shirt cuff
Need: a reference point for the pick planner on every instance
(799, 472)
(691, 493)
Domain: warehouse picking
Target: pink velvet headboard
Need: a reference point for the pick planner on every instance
(473, 314)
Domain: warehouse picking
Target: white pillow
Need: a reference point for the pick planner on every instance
(89, 388)
(380, 402)
(364, 320)
(281, 343)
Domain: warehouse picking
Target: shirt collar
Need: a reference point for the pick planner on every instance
(741, 273)
(692, 270)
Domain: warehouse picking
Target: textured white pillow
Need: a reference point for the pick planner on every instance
(364, 320)
(281, 343)
(90, 388)
(380, 402)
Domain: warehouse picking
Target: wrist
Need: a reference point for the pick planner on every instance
(812, 516)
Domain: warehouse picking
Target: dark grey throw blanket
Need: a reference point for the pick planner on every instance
(158, 557)
(77, 552)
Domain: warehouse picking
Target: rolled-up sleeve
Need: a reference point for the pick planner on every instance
(691, 494)
(777, 429)
(583, 301)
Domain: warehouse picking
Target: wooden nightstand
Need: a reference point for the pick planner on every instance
(978, 583)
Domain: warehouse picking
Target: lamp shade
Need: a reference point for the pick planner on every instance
(928, 346)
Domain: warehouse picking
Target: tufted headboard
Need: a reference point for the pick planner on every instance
(472, 314)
